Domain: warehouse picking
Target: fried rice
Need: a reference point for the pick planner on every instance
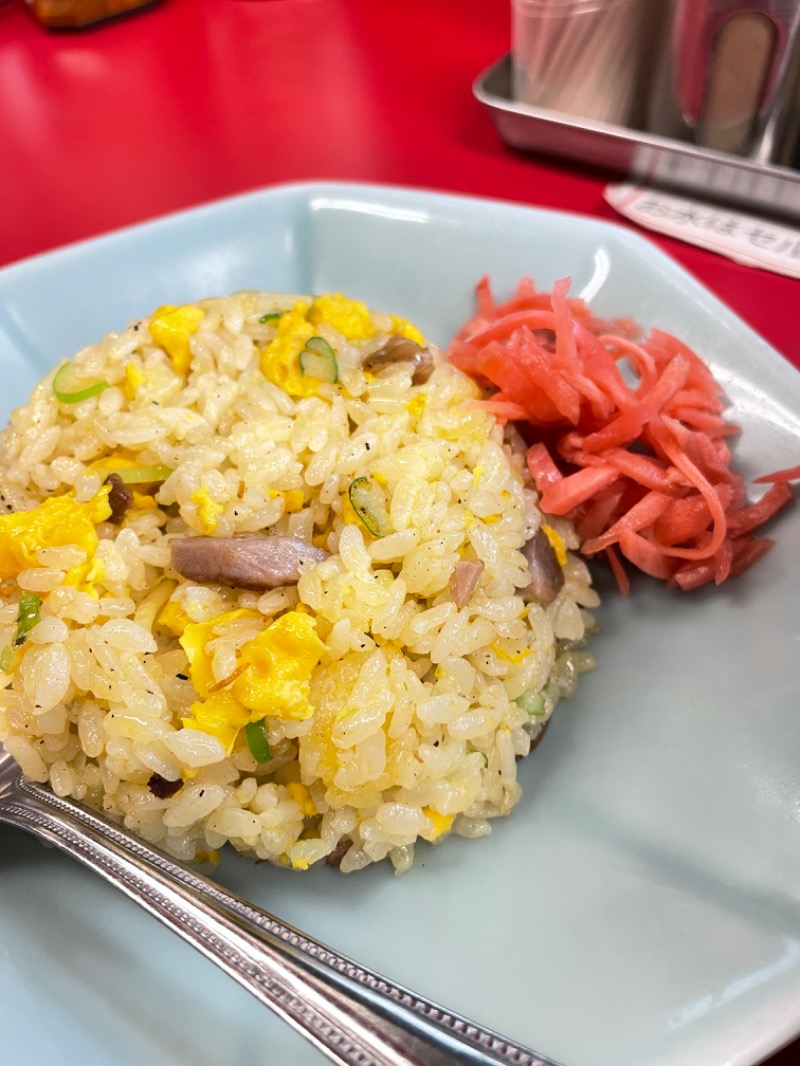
(380, 696)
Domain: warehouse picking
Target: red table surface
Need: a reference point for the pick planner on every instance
(192, 100)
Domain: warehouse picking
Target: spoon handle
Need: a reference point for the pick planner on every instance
(354, 1016)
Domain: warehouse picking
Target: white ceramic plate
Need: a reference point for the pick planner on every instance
(642, 905)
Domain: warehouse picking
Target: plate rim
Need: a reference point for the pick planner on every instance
(305, 191)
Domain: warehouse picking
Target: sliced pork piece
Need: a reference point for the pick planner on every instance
(246, 561)
(402, 350)
(335, 857)
(464, 579)
(120, 498)
(546, 575)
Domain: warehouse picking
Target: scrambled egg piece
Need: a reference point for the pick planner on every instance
(221, 715)
(293, 499)
(350, 317)
(280, 359)
(174, 617)
(171, 328)
(302, 797)
(195, 637)
(349, 514)
(280, 661)
(417, 404)
(58, 521)
(134, 379)
(273, 676)
(353, 319)
(557, 545)
(96, 572)
(208, 510)
(143, 502)
(441, 823)
(515, 659)
(407, 329)
(111, 463)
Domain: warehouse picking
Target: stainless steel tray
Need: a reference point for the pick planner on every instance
(651, 159)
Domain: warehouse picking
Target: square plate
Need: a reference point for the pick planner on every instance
(642, 905)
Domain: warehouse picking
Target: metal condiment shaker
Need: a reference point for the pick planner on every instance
(732, 77)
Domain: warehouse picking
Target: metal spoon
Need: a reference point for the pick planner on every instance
(354, 1016)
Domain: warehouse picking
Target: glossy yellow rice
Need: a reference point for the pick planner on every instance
(417, 711)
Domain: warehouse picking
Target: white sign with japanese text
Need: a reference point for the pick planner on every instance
(746, 239)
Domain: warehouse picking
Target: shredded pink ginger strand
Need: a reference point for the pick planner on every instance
(630, 437)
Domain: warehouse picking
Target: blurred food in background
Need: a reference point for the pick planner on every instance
(72, 14)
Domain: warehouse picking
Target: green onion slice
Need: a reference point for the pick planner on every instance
(271, 316)
(137, 475)
(70, 387)
(27, 617)
(257, 742)
(369, 503)
(318, 361)
(531, 703)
